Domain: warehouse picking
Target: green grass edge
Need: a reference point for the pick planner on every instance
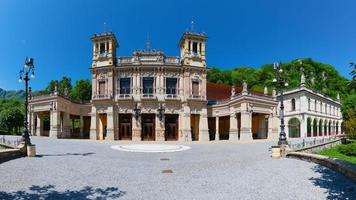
(333, 153)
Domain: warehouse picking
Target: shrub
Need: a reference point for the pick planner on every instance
(348, 149)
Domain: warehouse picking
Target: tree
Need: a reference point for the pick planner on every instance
(350, 124)
(65, 86)
(11, 116)
(81, 91)
(352, 82)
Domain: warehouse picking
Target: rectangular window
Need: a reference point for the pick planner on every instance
(147, 86)
(102, 88)
(195, 47)
(171, 86)
(125, 86)
(102, 48)
(195, 88)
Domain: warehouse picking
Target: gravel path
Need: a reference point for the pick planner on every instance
(81, 169)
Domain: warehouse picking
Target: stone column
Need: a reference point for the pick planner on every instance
(303, 127)
(55, 121)
(110, 125)
(181, 85)
(217, 128)
(66, 125)
(33, 124)
(136, 128)
(233, 132)
(93, 124)
(81, 133)
(159, 128)
(191, 46)
(203, 126)
(39, 128)
(272, 127)
(246, 120)
(187, 134)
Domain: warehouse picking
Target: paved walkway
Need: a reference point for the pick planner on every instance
(81, 169)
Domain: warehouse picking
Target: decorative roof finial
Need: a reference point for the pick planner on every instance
(274, 93)
(265, 91)
(338, 97)
(233, 91)
(244, 88)
(148, 42)
(104, 26)
(192, 26)
(56, 88)
(302, 76)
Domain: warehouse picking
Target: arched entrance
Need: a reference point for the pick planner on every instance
(294, 128)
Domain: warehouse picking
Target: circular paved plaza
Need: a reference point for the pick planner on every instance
(83, 169)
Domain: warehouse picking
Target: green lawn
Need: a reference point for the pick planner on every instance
(334, 153)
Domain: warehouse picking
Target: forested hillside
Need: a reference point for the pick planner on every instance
(320, 77)
(12, 94)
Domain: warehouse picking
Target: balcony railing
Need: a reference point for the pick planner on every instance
(172, 97)
(196, 97)
(101, 96)
(149, 59)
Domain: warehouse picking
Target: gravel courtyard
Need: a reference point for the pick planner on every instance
(81, 169)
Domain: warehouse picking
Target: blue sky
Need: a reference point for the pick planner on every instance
(241, 33)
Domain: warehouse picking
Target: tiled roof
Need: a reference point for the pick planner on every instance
(219, 91)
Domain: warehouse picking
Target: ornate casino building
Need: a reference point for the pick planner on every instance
(155, 97)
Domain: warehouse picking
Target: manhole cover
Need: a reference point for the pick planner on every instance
(150, 148)
(167, 171)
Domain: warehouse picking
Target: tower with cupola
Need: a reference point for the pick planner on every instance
(192, 49)
(104, 49)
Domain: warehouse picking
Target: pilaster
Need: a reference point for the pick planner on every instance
(93, 124)
(203, 126)
(55, 122)
(233, 132)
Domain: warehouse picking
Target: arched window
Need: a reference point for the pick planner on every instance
(294, 128)
(293, 104)
(321, 106)
(320, 127)
(325, 128)
(308, 127)
(315, 105)
(326, 108)
(337, 128)
(329, 131)
(308, 103)
(315, 128)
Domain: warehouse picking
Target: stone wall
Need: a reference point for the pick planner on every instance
(8, 153)
(320, 147)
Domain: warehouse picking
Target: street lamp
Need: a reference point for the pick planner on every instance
(281, 83)
(27, 72)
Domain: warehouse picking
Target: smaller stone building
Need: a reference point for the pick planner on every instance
(56, 116)
(310, 114)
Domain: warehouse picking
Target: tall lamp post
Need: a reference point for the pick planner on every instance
(281, 83)
(27, 72)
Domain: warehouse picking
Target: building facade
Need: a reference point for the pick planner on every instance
(149, 96)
